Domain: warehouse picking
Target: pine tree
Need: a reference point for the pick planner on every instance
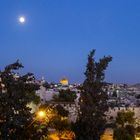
(15, 94)
(93, 100)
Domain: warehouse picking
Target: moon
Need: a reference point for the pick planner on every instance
(22, 19)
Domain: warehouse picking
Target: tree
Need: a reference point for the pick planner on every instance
(125, 117)
(123, 134)
(56, 116)
(93, 100)
(65, 96)
(114, 94)
(46, 85)
(16, 92)
(61, 111)
(125, 129)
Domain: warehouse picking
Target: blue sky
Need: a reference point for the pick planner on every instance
(58, 35)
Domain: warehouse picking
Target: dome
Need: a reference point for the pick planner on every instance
(64, 81)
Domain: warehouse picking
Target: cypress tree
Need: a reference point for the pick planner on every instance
(93, 100)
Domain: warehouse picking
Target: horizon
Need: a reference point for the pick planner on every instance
(57, 36)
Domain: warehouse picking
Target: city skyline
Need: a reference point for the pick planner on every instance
(57, 36)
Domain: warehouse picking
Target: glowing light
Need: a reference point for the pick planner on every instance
(22, 19)
(41, 114)
(64, 81)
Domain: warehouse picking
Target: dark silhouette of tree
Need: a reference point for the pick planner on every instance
(16, 92)
(46, 85)
(127, 133)
(65, 96)
(61, 111)
(114, 94)
(93, 100)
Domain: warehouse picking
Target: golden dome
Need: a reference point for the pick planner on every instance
(64, 81)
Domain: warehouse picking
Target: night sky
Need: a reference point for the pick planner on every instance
(58, 34)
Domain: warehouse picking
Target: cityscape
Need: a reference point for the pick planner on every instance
(69, 70)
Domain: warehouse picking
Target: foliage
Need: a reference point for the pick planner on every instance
(15, 93)
(125, 117)
(130, 130)
(61, 111)
(65, 96)
(46, 85)
(33, 98)
(127, 133)
(59, 123)
(138, 129)
(56, 117)
(93, 101)
(125, 129)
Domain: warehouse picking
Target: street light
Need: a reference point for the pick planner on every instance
(41, 114)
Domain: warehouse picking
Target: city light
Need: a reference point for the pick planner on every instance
(41, 114)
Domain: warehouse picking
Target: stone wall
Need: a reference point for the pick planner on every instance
(110, 115)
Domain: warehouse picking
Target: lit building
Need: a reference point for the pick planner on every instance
(64, 81)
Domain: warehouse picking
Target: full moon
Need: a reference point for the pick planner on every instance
(22, 19)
